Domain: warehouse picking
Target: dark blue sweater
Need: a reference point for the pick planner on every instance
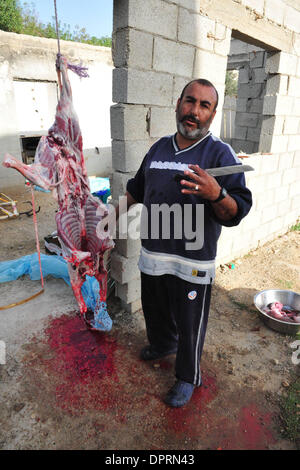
(154, 184)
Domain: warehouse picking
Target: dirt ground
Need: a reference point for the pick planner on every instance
(65, 387)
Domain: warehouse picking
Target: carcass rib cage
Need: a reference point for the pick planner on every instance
(59, 166)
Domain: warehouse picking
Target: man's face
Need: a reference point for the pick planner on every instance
(195, 111)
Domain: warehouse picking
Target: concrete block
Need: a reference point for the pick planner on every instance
(152, 16)
(251, 222)
(262, 232)
(283, 207)
(244, 76)
(282, 62)
(179, 84)
(241, 243)
(291, 218)
(241, 104)
(128, 247)
(253, 134)
(296, 159)
(279, 105)
(269, 164)
(172, 57)
(256, 185)
(295, 203)
(277, 84)
(274, 144)
(291, 125)
(119, 182)
(272, 125)
(129, 292)
(298, 68)
(259, 75)
(132, 307)
(294, 143)
(285, 161)
(273, 180)
(268, 213)
(257, 59)
(295, 191)
(193, 5)
(132, 48)
(162, 121)
(296, 107)
(250, 90)
(277, 226)
(124, 269)
(240, 132)
(289, 176)
(140, 87)
(210, 66)
(255, 105)
(129, 122)
(257, 5)
(292, 18)
(294, 87)
(247, 119)
(222, 41)
(243, 146)
(265, 199)
(254, 161)
(196, 29)
(281, 194)
(128, 155)
(274, 10)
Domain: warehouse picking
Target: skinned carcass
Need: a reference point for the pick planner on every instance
(59, 166)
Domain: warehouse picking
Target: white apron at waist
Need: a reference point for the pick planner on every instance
(191, 270)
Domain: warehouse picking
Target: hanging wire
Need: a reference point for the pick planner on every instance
(78, 69)
(57, 29)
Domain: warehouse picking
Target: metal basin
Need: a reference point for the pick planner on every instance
(286, 297)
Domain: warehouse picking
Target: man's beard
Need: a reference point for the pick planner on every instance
(192, 134)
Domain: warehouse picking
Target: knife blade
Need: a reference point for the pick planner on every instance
(221, 171)
(229, 170)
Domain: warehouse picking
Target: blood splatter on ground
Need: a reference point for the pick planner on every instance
(84, 373)
(80, 364)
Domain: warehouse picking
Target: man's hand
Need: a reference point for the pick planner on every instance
(202, 184)
(207, 187)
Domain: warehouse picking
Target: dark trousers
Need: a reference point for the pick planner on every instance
(176, 315)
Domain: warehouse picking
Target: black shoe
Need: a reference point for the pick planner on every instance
(148, 353)
(179, 394)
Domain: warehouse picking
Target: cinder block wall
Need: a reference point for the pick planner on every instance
(160, 45)
(251, 92)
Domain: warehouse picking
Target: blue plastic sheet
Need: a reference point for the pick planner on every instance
(100, 187)
(56, 266)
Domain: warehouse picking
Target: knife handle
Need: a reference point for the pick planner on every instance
(180, 176)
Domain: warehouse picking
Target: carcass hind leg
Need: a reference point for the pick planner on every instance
(76, 282)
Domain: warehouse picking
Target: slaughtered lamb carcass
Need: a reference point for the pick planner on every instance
(59, 166)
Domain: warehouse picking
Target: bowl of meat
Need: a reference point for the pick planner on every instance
(279, 310)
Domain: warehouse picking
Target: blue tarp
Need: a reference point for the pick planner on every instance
(56, 266)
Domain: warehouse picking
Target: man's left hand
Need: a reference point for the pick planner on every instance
(202, 184)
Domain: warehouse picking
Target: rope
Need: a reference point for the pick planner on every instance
(15, 304)
(57, 30)
(78, 69)
(37, 235)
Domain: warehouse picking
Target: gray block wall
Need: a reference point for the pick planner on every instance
(158, 46)
(157, 49)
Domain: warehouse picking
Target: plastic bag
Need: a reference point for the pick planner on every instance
(56, 266)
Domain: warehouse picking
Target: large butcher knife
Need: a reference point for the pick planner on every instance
(221, 171)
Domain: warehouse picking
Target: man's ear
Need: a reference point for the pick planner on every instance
(213, 115)
(177, 105)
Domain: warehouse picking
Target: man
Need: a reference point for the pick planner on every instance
(176, 278)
